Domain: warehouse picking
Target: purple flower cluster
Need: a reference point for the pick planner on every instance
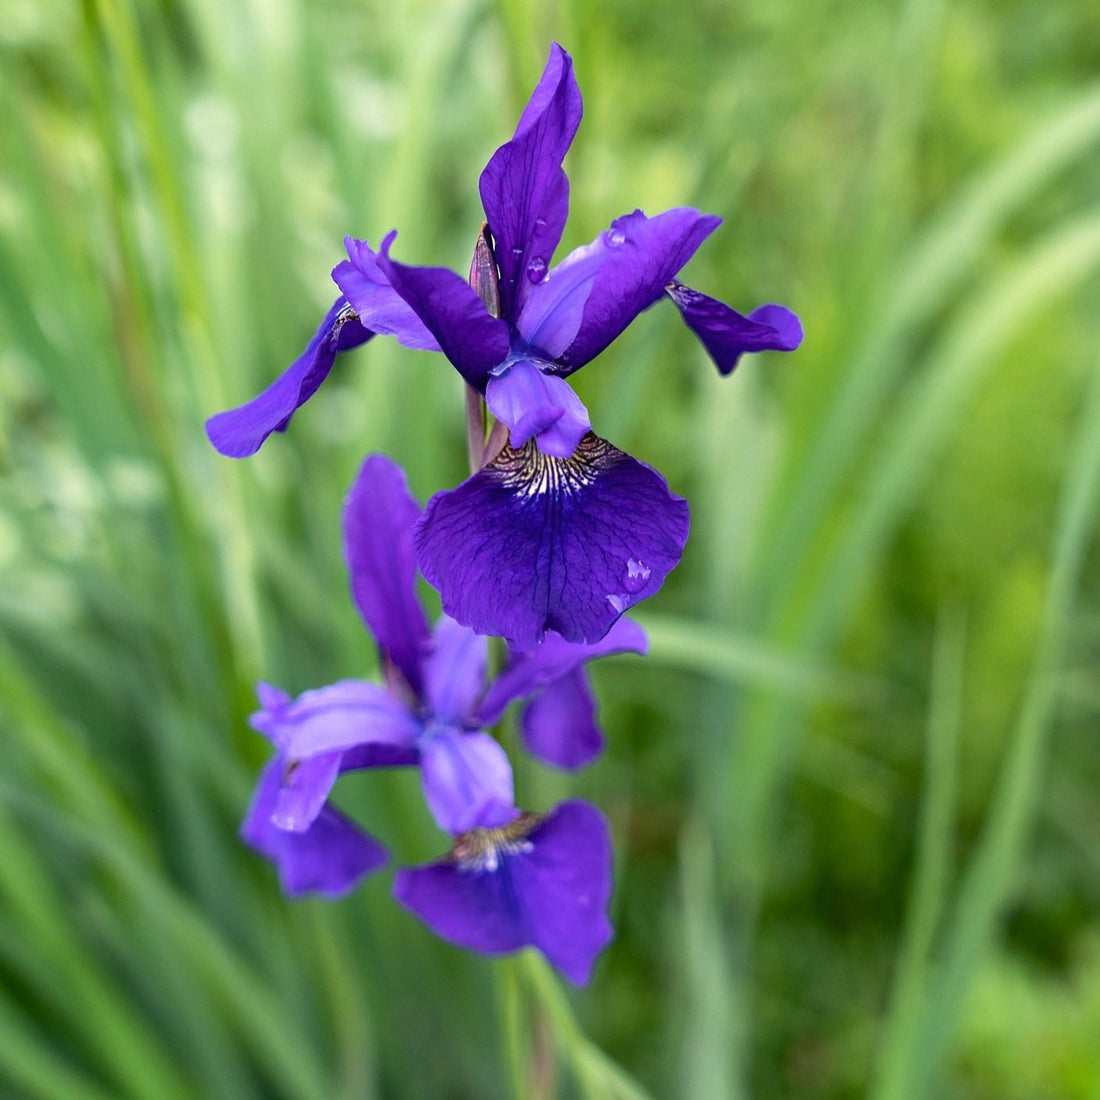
(553, 537)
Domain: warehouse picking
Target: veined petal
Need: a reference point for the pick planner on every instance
(454, 672)
(240, 432)
(530, 672)
(467, 781)
(450, 308)
(727, 334)
(378, 541)
(559, 724)
(534, 543)
(538, 406)
(329, 858)
(380, 307)
(338, 717)
(639, 257)
(539, 881)
(523, 188)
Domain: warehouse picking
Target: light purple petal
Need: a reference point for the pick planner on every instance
(533, 543)
(527, 673)
(538, 406)
(330, 858)
(338, 717)
(240, 432)
(550, 893)
(523, 188)
(473, 341)
(454, 672)
(467, 781)
(378, 541)
(559, 725)
(638, 256)
(303, 789)
(727, 334)
(380, 307)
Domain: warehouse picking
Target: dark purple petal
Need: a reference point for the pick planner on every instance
(379, 756)
(473, 341)
(240, 432)
(523, 188)
(538, 406)
(338, 717)
(559, 725)
(330, 858)
(533, 543)
(527, 673)
(467, 781)
(727, 334)
(548, 890)
(380, 307)
(378, 541)
(640, 257)
(454, 672)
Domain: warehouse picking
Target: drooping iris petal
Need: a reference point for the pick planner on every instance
(727, 334)
(380, 307)
(378, 543)
(538, 406)
(472, 340)
(337, 717)
(329, 858)
(523, 188)
(240, 432)
(467, 781)
(530, 672)
(639, 257)
(559, 725)
(454, 672)
(548, 889)
(534, 543)
(304, 787)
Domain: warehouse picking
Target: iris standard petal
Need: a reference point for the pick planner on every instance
(530, 672)
(639, 257)
(240, 432)
(378, 541)
(339, 717)
(727, 334)
(538, 406)
(472, 340)
(380, 307)
(523, 188)
(329, 858)
(467, 781)
(543, 882)
(534, 543)
(559, 724)
(454, 672)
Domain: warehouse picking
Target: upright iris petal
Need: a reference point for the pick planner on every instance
(534, 543)
(542, 881)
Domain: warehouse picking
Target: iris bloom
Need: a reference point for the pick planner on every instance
(430, 713)
(560, 532)
(541, 881)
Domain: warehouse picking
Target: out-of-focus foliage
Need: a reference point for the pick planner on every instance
(854, 787)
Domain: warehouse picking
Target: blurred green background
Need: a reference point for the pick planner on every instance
(853, 789)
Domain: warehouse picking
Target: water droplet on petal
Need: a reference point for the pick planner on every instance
(619, 603)
(540, 223)
(637, 573)
(536, 270)
(613, 238)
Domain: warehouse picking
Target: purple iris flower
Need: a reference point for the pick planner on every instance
(542, 881)
(561, 531)
(430, 713)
